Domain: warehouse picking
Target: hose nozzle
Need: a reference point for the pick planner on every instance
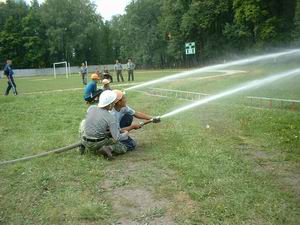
(153, 120)
(156, 119)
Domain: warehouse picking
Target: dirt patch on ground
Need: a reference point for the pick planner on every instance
(136, 187)
(183, 205)
(286, 174)
(138, 206)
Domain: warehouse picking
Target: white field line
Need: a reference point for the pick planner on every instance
(52, 91)
(226, 73)
(158, 71)
(73, 89)
(126, 84)
(41, 79)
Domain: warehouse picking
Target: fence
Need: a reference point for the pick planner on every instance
(263, 102)
(59, 70)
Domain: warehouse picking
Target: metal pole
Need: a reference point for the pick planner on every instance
(67, 75)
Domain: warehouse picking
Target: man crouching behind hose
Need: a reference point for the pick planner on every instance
(99, 132)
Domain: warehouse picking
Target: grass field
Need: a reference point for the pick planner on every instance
(243, 169)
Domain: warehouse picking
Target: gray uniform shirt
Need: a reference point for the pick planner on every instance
(98, 121)
(83, 70)
(130, 66)
(118, 66)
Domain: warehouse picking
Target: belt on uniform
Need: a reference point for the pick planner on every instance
(92, 140)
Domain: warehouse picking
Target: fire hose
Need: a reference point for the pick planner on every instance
(59, 150)
(66, 148)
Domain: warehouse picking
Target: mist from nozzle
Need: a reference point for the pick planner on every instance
(246, 86)
(214, 67)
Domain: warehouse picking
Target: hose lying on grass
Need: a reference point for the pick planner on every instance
(67, 148)
(59, 150)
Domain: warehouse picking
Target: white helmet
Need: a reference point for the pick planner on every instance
(107, 97)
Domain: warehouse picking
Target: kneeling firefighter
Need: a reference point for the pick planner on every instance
(99, 131)
(91, 93)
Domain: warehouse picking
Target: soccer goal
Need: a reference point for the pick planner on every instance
(65, 64)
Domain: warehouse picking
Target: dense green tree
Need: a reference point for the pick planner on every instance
(296, 31)
(260, 24)
(282, 12)
(141, 39)
(170, 24)
(204, 23)
(116, 32)
(152, 32)
(72, 30)
(106, 54)
(34, 38)
(11, 40)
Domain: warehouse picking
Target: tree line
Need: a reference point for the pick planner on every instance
(151, 32)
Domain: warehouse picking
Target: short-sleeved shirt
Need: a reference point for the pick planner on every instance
(99, 121)
(130, 66)
(118, 66)
(90, 88)
(119, 114)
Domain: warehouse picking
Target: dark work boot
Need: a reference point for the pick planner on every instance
(106, 151)
(81, 149)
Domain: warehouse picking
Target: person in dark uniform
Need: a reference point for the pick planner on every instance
(118, 68)
(106, 74)
(8, 72)
(130, 68)
(83, 72)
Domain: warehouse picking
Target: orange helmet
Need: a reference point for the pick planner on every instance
(120, 94)
(95, 76)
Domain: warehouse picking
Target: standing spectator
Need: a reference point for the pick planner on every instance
(130, 68)
(118, 69)
(83, 72)
(8, 72)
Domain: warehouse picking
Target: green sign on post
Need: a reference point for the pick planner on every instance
(190, 48)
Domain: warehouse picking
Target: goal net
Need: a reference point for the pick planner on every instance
(61, 68)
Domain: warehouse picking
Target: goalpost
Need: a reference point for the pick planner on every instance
(67, 68)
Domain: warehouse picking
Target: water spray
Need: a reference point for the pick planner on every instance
(243, 87)
(214, 67)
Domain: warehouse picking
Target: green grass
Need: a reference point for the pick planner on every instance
(242, 170)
